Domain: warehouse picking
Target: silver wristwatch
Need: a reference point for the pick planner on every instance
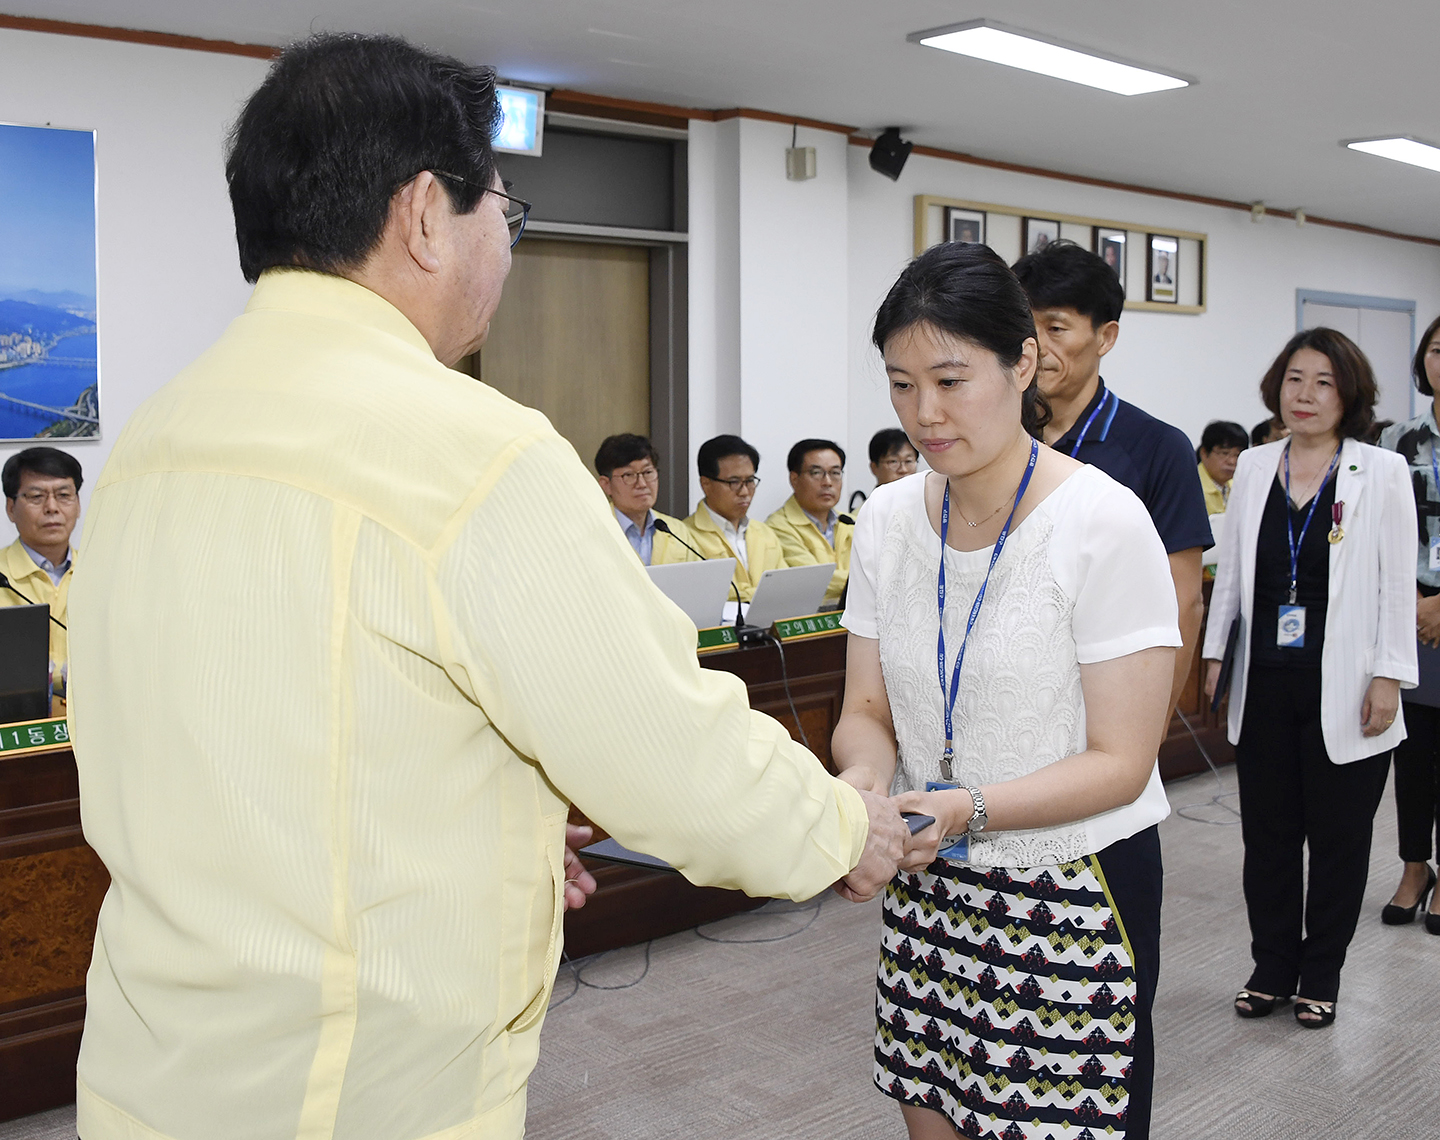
(979, 820)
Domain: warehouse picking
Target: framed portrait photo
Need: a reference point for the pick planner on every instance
(1037, 233)
(1163, 266)
(965, 225)
(1110, 245)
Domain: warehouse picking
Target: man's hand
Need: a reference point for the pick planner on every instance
(1427, 620)
(884, 848)
(579, 883)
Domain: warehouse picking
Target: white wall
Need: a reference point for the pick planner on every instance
(1184, 369)
(169, 280)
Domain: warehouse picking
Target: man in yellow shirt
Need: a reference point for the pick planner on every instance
(42, 500)
(335, 682)
(808, 526)
(629, 472)
(721, 526)
(1220, 446)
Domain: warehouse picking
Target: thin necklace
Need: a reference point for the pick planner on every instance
(1323, 472)
(988, 517)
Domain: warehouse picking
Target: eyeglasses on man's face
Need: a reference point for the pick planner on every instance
(824, 474)
(36, 499)
(900, 463)
(634, 478)
(517, 210)
(749, 483)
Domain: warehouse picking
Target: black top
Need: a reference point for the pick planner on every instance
(1150, 457)
(1272, 579)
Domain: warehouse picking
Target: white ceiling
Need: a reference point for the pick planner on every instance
(1280, 81)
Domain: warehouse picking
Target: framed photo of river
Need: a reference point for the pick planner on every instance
(49, 351)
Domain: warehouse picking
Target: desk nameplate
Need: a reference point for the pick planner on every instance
(34, 736)
(717, 637)
(811, 625)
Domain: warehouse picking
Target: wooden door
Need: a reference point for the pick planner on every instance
(572, 338)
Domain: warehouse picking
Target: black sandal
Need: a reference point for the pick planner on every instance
(1322, 1016)
(1259, 1006)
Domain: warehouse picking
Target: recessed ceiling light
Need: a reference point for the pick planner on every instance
(1401, 150)
(985, 39)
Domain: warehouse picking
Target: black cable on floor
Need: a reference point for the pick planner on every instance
(812, 909)
(579, 973)
(1213, 801)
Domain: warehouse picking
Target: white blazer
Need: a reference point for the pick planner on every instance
(1370, 618)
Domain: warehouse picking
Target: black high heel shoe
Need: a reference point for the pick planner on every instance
(1393, 915)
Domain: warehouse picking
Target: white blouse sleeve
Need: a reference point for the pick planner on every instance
(865, 549)
(1118, 575)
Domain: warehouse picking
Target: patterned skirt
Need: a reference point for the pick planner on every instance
(1006, 1000)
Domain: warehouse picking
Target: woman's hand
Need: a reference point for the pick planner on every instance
(952, 810)
(1212, 678)
(1427, 620)
(1381, 703)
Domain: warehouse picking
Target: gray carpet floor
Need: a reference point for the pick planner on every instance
(726, 1034)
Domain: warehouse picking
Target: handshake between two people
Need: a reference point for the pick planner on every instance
(889, 846)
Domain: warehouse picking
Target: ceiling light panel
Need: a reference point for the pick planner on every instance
(984, 39)
(1401, 150)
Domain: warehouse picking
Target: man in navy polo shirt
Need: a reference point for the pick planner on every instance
(1077, 301)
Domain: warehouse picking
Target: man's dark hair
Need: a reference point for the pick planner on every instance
(886, 442)
(622, 450)
(1417, 369)
(969, 292)
(47, 461)
(707, 459)
(1354, 378)
(1222, 434)
(1064, 275)
(797, 455)
(340, 123)
(1260, 431)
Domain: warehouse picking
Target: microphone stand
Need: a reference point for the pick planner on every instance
(5, 585)
(744, 634)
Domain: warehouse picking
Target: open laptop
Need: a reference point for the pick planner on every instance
(698, 588)
(24, 663)
(792, 591)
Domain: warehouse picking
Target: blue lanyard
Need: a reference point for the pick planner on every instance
(1310, 514)
(949, 699)
(1105, 399)
(1434, 466)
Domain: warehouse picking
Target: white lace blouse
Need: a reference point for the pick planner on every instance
(1083, 578)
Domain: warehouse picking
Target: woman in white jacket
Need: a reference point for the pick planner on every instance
(1319, 565)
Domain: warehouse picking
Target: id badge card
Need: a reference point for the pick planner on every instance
(960, 849)
(1290, 633)
(1435, 553)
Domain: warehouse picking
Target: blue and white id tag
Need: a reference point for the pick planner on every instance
(1290, 633)
(960, 849)
(1435, 553)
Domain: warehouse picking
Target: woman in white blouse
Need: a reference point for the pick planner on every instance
(1022, 937)
(1319, 567)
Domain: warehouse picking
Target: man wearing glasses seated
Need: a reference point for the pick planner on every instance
(892, 456)
(629, 472)
(42, 500)
(719, 525)
(809, 529)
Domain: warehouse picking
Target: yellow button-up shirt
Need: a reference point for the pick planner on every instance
(762, 548)
(1216, 496)
(805, 545)
(35, 584)
(336, 678)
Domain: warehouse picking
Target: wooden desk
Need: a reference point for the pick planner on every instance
(51, 886)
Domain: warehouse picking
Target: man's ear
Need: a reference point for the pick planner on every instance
(10, 509)
(1109, 334)
(416, 213)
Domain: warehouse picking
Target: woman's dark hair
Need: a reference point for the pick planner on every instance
(1064, 275)
(968, 291)
(707, 459)
(1417, 369)
(340, 123)
(1354, 378)
(621, 450)
(1222, 434)
(886, 442)
(48, 461)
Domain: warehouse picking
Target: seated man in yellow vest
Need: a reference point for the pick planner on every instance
(719, 525)
(809, 529)
(629, 472)
(42, 500)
